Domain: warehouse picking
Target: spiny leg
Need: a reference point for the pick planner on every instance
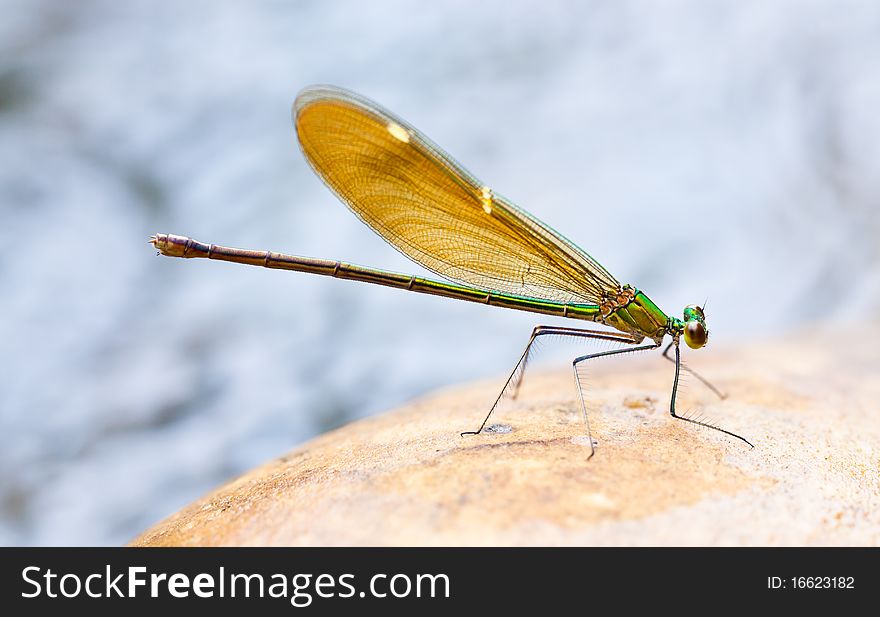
(705, 381)
(692, 421)
(577, 379)
(516, 375)
(519, 371)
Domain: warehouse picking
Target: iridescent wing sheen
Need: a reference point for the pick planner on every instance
(431, 209)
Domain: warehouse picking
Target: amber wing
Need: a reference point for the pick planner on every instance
(431, 209)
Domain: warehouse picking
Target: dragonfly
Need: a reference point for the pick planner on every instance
(484, 247)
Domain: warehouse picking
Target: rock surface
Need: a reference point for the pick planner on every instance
(810, 406)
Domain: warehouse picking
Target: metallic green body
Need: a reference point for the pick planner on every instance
(641, 318)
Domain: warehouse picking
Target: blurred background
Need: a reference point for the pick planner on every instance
(720, 149)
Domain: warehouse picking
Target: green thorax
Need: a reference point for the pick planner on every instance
(643, 319)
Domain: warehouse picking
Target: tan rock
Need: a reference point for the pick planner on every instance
(810, 406)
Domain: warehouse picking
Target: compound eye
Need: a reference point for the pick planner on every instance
(695, 334)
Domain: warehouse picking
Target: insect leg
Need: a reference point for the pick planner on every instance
(672, 402)
(705, 381)
(577, 379)
(519, 371)
(515, 377)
